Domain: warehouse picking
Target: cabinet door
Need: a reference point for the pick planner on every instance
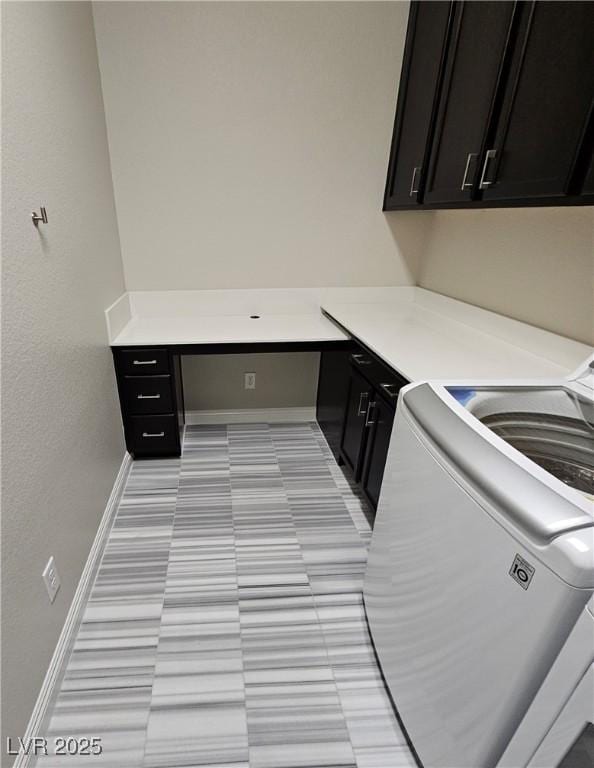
(354, 432)
(588, 188)
(585, 185)
(546, 104)
(583, 180)
(426, 40)
(333, 387)
(474, 68)
(381, 419)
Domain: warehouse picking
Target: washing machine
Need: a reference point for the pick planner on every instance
(481, 569)
(558, 728)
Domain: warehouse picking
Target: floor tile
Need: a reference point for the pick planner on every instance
(225, 627)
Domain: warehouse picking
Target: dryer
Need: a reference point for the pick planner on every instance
(480, 569)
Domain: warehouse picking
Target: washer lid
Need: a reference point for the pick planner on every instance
(582, 379)
(551, 425)
(522, 495)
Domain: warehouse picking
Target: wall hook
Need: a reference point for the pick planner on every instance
(36, 218)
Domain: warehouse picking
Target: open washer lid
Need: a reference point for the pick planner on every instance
(551, 426)
(582, 379)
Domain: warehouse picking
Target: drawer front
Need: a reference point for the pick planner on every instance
(370, 367)
(363, 361)
(148, 394)
(154, 435)
(143, 362)
(385, 380)
(389, 384)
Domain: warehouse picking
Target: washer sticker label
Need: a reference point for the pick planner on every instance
(521, 571)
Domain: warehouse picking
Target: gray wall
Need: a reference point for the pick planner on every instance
(216, 382)
(249, 142)
(532, 264)
(61, 436)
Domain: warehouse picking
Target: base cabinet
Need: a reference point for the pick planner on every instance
(333, 390)
(151, 400)
(356, 422)
(367, 390)
(376, 451)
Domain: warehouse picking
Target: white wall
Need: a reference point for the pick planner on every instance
(249, 146)
(283, 380)
(249, 142)
(61, 434)
(532, 264)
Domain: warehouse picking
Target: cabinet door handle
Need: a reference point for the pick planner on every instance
(361, 411)
(145, 362)
(153, 434)
(388, 389)
(490, 155)
(467, 184)
(414, 191)
(148, 397)
(370, 410)
(361, 359)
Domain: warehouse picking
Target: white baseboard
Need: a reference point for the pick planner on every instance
(72, 619)
(252, 415)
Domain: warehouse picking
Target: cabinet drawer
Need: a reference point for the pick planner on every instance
(148, 394)
(361, 359)
(389, 385)
(142, 361)
(384, 379)
(154, 435)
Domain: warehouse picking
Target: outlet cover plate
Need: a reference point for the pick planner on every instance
(249, 380)
(51, 579)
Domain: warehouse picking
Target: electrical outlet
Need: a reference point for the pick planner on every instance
(51, 579)
(249, 380)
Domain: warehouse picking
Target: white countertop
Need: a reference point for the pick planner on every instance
(424, 345)
(228, 329)
(421, 334)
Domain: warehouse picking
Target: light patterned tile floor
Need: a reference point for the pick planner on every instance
(226, 627)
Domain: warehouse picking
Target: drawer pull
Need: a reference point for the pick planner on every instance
(491, 154)
(388, 389)
(361, 411)
(414, 190)
(153, 434)
(148, 397)
(361, 360)
(370, 411)
(145, 362)
(467, 184)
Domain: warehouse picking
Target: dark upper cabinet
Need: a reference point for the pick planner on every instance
(584, 182)
(546, 104)
(475, 65)
(500, 94)
(588, 186)
(425, 47)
